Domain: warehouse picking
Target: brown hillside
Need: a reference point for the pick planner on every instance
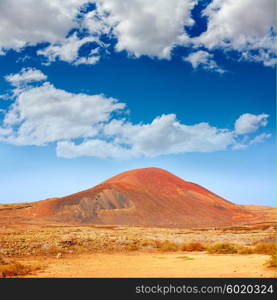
(148, 197)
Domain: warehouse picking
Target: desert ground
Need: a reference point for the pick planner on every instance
(140, 265)
(120, 251)
(163, 226)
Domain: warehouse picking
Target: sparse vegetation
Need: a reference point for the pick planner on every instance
(268, 248)
(194, 246)
(53, 249)
(157, 244)
(79, 249)
(168, 246)
(149, 244)
(265, 248)
(154, 244)
(12, 268)
(245, 250)
(132, 247)
(56, 242)
(222, 248)
(51, 240)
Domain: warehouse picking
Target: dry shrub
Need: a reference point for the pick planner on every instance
(194, 246)
(168, 246)
(132, 247)
(269, 249)
(158, 244)
(265, 248)
(78, 249)
(11, 268)
(2, 261)
(222, 248)
(245, 250)
(153, 243)
(148, 243)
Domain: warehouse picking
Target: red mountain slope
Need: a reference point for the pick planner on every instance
(149, 197)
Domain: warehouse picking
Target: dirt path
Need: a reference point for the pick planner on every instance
(178, 264)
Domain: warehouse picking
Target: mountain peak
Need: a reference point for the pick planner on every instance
(146, 176)
(147, 197)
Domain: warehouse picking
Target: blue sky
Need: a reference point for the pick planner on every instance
(212, 101)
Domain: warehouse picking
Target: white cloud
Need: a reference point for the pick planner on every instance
(27, 75)
(165, 135)
(28, 22)
(140, 27)
(246, 26)
(68, 50)
(248, 123)
(95, 147)
(95, 22)
(144, 27)
(260, 138)
(203, 59)
(262, 56)
(249, 142)
(4, 132)
(45, 114)
(85, 125)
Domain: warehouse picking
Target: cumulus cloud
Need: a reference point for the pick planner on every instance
(4, 132)
(260, 138)
(46, 114)
(144, 27)
(68, 50)
(26, 75)
(167, 135)
(96, 23)
(245, 26)
(203, 59)
(28, 22)
(248, 123)
(164, 135)
(139, 27)
(90, 125)
(92, 147)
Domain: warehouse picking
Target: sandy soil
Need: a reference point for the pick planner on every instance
(177, 264)
(31, 240)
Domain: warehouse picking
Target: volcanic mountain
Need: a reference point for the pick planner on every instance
(145, 197)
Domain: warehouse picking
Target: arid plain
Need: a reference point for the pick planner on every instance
(141, 223)
(118, 251)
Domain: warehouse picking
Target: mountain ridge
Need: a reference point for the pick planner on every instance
(139, 197)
